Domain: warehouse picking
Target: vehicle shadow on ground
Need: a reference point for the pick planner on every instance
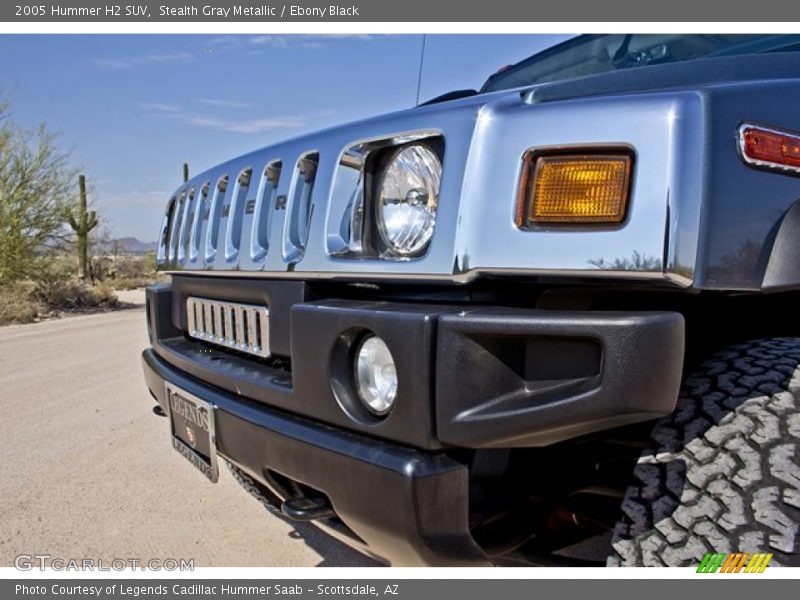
(333, 552)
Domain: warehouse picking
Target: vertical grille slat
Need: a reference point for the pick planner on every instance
(190, 319)
(252, 341)
(197, 220)
(186, 223)
(240, 327)
(218, 332)
(243, 327)
(199, 324)
(215, 219)
(264, 331)
(235, 218)
(177, 226)
(208, 328)
(263, 209)
(229, 334)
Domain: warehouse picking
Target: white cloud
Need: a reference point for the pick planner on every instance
(345, 36)
(315, 41)
(243, 44)
(116, 64)
(170, 56)
(223, 103)
(276, 41)
(111, 64)
(305, 40)
(225, 40)
(253, 124)
(160, 107)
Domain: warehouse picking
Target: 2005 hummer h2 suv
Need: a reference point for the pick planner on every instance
(512, 325)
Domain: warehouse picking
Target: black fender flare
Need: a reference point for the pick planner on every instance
(783, 266)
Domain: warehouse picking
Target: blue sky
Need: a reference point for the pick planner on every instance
(133, 108)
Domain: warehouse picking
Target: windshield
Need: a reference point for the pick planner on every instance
(592, 54)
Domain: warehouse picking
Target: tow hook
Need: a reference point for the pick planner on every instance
(301, 508)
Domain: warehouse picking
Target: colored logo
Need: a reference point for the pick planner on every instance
(734, 563)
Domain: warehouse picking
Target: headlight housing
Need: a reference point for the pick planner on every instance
(407, 198)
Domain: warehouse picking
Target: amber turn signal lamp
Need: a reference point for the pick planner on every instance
(770, 148)
(587, 188)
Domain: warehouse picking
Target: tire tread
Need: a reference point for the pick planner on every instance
(723, 472)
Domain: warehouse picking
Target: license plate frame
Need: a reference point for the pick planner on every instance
(192, 432)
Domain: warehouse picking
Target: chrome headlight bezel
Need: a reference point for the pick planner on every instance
(407, 233)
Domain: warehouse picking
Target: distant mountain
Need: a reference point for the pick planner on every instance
(126, 245)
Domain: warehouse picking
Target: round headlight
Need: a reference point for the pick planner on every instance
(376, 375)
(407, 199)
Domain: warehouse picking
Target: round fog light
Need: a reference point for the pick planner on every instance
(376, 375)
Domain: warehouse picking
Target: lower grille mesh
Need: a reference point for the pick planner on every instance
(242, 327)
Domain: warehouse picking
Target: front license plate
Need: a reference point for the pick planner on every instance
(192, 427)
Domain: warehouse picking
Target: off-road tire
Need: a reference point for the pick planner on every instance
(723, 473)
(270, 501)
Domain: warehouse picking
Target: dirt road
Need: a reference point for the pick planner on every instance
(87, 470)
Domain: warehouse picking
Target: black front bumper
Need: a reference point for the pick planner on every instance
(469, 378)
(400, 505)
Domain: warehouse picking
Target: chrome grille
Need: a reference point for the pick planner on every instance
(243, 327)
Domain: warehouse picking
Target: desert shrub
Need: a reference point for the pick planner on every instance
(17, 304)
(101, 268)
(53, 287)
(74, 294)
(134, 272)
(56, 287)
(102, 296)
(132, 283)
(132, 266)
(55, 283)
(54, 269)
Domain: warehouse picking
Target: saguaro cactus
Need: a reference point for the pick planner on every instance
(82, 225)
(185, 172)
